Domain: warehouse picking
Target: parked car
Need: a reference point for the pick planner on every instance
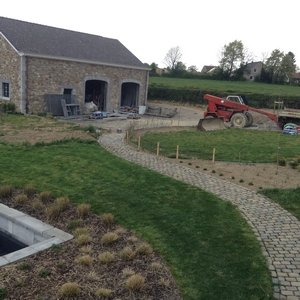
(291, 128)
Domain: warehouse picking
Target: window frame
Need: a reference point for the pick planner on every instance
(5, 90)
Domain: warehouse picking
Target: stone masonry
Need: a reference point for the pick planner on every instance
(10, 71)
(50, 76)
(277, 230)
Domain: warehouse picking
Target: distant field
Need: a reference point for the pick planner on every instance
(242, 87)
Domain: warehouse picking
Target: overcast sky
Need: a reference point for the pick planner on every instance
(150, 28)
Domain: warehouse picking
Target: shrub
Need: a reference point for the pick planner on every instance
(53, 212)
(81, 230)
(37, 205)
(241, 180)
(62, 203)
(74, 224)
(107, 218)
(126, 253)
(69, 289)
(83, 210)
(83, 239)
(45, 197)
(127, 272)
(109, 237)
(106, 257)
(144, 249)
(25, 266)
(7, 107)
(84, 260)
(135, 282)
(44, 272)
(156, 266)
(21, 198)
(6, 191)
(86, 249)
(294, 164)
(282, 162)
(104, 293)
(29, 190)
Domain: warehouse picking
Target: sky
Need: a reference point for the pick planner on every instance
(200, 28)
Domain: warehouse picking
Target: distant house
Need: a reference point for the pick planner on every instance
(295, 78)
(39, 64)
(208, 69)
(253, 70)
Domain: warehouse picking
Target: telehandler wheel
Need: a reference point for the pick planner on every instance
(249, 118)
(238, 120)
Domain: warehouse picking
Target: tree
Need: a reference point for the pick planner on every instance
(232, 57)
(288, 66)
(179, 69)
(153, 68)
(273, 66)
(172, 58)
(192, 69)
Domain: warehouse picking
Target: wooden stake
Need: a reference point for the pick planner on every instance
(214, 155)
(157, 149)
(139, 143)
(177, 152)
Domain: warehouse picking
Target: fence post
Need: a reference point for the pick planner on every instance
(127, 136)
(177, 151)
(214, 155)
(139, 143)
(157, 149)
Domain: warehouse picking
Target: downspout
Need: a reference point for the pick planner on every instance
(146, 88)
(23, 95)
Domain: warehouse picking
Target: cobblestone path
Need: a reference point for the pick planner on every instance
(276, 229)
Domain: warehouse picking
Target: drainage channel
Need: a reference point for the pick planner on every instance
(22, 235)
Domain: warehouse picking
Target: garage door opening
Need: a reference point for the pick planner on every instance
(130, 94)
(96, 91)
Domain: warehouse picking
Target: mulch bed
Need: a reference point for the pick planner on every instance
(41, 276)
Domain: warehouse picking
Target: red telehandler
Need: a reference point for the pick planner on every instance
(233, 111)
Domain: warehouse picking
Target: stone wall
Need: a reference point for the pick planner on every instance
(50, 76)
(10, 65)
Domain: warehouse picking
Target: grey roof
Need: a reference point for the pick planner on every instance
(40, 40)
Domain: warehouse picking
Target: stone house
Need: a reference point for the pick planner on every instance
(39, 62)
(253, 70)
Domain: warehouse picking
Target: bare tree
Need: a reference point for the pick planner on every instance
(172, 57)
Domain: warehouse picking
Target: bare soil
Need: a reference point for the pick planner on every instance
(41, 276)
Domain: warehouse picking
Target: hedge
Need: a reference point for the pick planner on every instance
(195, 96)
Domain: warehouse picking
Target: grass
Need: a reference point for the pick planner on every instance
(289, 199)
(208, 245)
(227, 86)
(237, 145)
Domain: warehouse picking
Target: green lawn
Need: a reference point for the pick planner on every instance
(231, 144)
(239, 87)
(208, 245)
(289, 199)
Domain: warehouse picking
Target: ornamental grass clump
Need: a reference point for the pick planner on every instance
(144, 249)
(83, 239)
(135, 282)
(126, 253)
(6, 191)
(106, 257)
(103, 293)
(84, 260)
(21, 199)
(107, 218)
(83, 210)
(109, 238)
(69, 290)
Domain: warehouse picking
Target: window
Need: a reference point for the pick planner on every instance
(67, 91)
(254, 70)
(5, 89)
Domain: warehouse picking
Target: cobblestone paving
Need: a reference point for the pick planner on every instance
(277, 230)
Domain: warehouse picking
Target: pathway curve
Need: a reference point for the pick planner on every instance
(276, 229)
